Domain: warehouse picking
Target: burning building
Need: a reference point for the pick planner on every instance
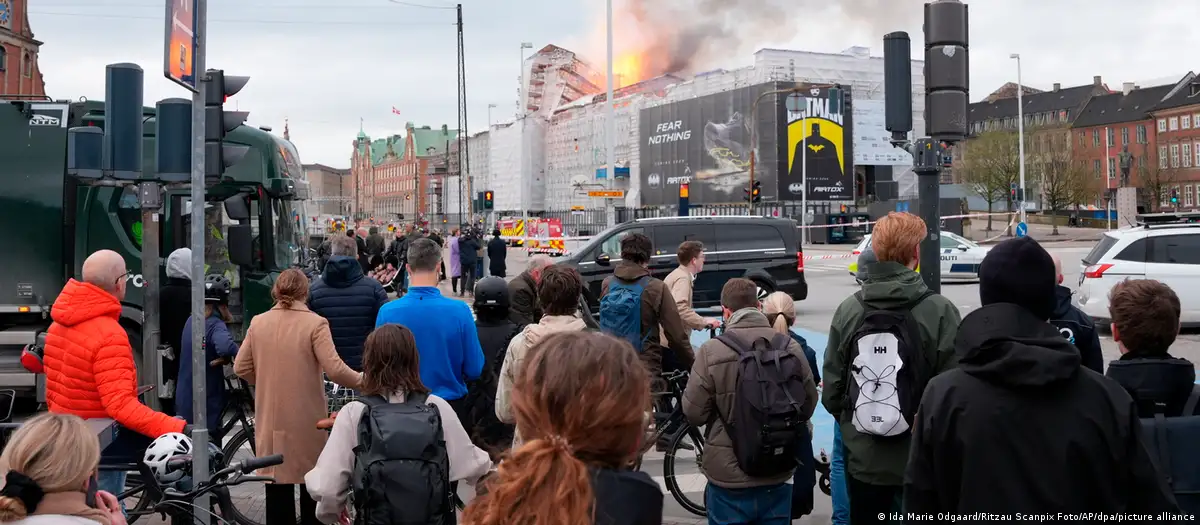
(696, 128)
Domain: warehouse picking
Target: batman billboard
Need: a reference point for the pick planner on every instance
(705, 142)
(818, 146)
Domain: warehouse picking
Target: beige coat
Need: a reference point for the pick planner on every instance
(712, 386)
(514, 359)
(284, 353)
(680, 283)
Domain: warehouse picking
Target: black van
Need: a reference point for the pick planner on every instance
(762, 249)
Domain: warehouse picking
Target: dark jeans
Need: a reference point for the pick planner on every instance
(769, 505)
(281, 505)
(479, 268)
(127, 447)
(868, 502)
(468, 282)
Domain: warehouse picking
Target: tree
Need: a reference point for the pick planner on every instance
(1065, 181)
(1156, 183)
(990, 166)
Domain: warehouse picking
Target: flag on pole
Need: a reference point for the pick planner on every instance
(395, 111)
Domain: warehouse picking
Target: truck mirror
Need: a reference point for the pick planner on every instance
(241, 245)
(237, 208)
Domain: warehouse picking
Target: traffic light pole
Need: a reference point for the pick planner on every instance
(199, 361)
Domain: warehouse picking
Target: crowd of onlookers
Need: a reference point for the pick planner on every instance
(541, 408)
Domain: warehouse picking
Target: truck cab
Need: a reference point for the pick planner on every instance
(56, 221)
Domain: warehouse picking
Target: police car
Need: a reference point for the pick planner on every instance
(960, 256)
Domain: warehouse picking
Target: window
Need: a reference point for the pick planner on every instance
(129, 213)
(1175, 249)
(1196, 151)
(1112, 134)
(1125, 136)
(1141, 134)
(288, 227)
(1082, 138)
(1096, 168)
(1174, 155)
(1185, 122)
(612, 245)
(1135, 252)
(1187, 155)
(1096, 137)
(1112, 167)
(3, 58)
(1162, 125)
(1162, 157)
(668, 238)
(1142, 161)
(1173, 123)
(749, 237)
(1187, 195)
(27, 65)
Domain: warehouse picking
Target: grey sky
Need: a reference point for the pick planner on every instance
(325, 65)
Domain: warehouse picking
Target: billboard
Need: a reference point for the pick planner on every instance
(705, 142)
(818, 146)
(178, 58)
(872, 140)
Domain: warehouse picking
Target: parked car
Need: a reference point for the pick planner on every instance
(763, 249)
(1163, 246)
(960, 256)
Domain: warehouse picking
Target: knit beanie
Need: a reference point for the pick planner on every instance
(1021, 272)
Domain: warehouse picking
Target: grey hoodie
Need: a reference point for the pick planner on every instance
(179, 264)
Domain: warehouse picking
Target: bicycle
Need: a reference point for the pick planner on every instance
(179, 506)
(659, 423)
(238, 411)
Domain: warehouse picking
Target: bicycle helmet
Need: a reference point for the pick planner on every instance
(217, 289)
(167, 446)
(491, 292)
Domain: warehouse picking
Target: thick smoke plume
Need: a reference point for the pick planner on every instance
(688, 36)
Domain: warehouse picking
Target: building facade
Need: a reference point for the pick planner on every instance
(20, 76)
(332, 190)
(1177, 130)
(392, 175)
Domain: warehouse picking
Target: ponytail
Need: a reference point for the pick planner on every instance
(541, 483)
(781, 324)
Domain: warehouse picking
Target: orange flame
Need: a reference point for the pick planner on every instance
(629, 68)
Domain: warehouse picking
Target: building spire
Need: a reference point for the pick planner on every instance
(286, 135)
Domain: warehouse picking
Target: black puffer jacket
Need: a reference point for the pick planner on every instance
(487, 431)
(1079, 329)
(350, 302)
(1155, 379)
(989, 432)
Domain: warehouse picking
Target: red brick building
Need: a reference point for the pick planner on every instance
(1177, 130)
(20, 77)
(1114, 123)
(392, 175)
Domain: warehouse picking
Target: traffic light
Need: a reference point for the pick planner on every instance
(756, 192)
(489, 200)
(1174, 195)
(218, 154)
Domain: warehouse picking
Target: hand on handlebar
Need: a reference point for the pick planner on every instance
(713, 323)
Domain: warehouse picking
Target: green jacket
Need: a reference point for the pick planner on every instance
(889, 285)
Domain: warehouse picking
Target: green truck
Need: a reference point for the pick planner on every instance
(57, 221)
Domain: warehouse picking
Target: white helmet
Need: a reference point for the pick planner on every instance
(164, 448)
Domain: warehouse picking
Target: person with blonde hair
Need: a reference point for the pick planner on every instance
(893, 331)
(285, 351)
(49, 470)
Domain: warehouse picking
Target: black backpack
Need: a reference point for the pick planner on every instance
(401, 468)
(1171, 442)
(886, 371)
(765, 422)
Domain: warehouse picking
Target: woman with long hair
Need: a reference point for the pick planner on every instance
(285, 351)
(49, 470)
(391, 374)
(575, 403)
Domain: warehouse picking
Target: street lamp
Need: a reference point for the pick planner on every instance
(521, 90)
(1020, 134)
(490, 107)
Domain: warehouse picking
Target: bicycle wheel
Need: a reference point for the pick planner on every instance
(683, 485)
(134, 498)
(240, 447)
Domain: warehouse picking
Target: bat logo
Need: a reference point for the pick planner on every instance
(816, 147)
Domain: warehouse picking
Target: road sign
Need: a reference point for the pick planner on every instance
(576, 208)
(795, 103)
(179, 63)
(1022, 229)
(607, 194)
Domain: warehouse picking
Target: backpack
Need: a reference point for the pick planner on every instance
(887, 370)
(621, 311)
(1171, 442)
(765, 422)
(401, 468)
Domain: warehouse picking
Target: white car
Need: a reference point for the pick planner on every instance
(960, 256)
(1165, 250)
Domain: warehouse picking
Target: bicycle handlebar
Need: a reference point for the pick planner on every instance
(252, 464)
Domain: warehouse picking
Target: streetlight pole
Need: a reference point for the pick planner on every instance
(1020, 135)
(490, 108)
(610, 138)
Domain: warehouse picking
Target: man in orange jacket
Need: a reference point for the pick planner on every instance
(89, 364)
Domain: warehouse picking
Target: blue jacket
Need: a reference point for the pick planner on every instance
(447, 340)
(218, 342)
(350, 301)
(809, 354)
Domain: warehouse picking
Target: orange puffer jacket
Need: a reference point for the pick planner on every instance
(89, 363)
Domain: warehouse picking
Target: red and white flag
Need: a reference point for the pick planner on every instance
(395, 111)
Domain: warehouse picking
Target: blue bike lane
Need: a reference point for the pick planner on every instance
(822, 421)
